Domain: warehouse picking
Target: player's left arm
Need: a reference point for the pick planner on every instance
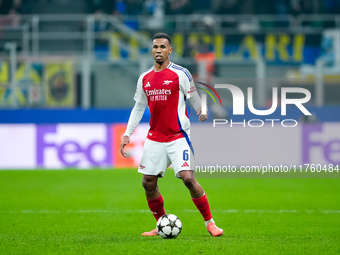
(191, 93)
(195, 101)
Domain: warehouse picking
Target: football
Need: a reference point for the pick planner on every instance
(169, 226)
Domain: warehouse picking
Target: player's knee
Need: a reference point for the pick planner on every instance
(189, 181)
(148, 184)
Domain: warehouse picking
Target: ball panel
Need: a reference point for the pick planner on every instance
(178, 223)
(161, 234)
(172, 217)
(158, 221)
(166, 230)
(175, 231)
(165, 221)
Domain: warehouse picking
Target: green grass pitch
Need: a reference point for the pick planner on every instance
(105, 212)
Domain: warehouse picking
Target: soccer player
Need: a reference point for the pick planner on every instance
(164, 88)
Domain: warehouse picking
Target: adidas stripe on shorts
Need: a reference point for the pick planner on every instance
(157, 157)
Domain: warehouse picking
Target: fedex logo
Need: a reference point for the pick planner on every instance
(74, 145)
(321, 144)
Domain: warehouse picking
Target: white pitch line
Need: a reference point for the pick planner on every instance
(272, 211)
(229, 211)
(76, 211)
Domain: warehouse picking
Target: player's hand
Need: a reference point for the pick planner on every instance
(125, 141)
(202, 117)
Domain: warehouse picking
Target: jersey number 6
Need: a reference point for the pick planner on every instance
(185, 155)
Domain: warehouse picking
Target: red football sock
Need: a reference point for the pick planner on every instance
(203, 206)
(157, 207)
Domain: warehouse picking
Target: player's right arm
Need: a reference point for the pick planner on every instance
(136, 114)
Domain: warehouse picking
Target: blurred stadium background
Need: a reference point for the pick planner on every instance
(68, 73)
(77, 62)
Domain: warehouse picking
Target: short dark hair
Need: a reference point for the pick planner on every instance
(162, 35)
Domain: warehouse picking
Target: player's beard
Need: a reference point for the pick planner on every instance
(160, 61)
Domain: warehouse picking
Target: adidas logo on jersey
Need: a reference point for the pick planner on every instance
(167, 82)
(185, 164)
(147, 85)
